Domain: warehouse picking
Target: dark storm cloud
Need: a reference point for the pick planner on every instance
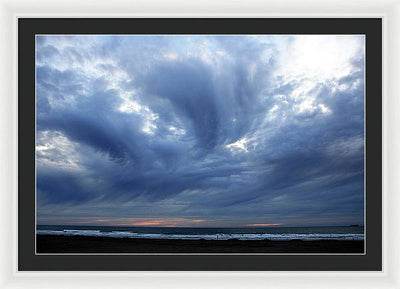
(195, 127)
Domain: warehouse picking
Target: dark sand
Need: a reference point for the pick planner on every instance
(82, 244)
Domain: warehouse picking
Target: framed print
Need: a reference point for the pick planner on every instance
(64, 71)
(200, 144)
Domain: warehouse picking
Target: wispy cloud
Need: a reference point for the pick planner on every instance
(229, 130)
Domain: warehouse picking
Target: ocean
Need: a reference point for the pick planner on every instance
(269, 233)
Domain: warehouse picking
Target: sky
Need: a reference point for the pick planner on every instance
(200, 130)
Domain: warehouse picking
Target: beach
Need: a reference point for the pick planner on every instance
(90, 244)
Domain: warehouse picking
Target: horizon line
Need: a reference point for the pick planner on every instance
(228, 227)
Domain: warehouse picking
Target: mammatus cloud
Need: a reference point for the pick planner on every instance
(200, 130)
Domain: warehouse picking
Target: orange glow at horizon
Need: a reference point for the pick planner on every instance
(264, 225)
(148, 223)
(172, 222)
(165, 222)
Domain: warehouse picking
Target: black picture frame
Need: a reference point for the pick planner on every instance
(29, 261)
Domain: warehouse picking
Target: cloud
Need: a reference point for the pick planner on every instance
(230, 130)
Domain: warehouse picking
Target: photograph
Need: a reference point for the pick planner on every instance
(200, 144)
